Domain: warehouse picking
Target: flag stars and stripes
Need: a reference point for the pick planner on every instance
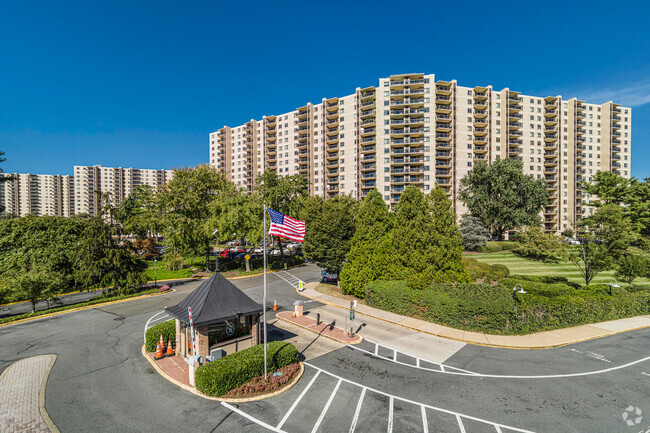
(285, 226)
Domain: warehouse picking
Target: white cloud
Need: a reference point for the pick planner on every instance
(632, 95)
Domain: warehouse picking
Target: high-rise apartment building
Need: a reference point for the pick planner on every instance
(36, 194)
(413, 130)
(118, 182)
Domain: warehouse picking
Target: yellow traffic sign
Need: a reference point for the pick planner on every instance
(247, 257)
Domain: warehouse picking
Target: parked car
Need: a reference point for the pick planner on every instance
(326, 277)
(223, 253)
(258, 250)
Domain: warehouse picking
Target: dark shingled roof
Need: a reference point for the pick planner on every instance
(216, 300)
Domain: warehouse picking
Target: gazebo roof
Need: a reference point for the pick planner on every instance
(216, 300)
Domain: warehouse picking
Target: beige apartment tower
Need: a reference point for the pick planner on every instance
(412, 129)
(36, 194)
(117, 182)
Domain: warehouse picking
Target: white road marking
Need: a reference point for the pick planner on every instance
(461, 372)
(289, 278)
(644, 373)
(327, 406)
(146, 326)
(251, 418)
(356, 412)
(425, 423)
(498, 429)
(434, 408)
(417, 360)
(295, 403)
(390, 414)
(460, 424)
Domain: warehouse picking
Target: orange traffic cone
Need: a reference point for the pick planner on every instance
(162, 342)
(170, 350)
(275, 305)
(159, 352)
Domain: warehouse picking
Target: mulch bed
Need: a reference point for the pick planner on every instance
(257, 386)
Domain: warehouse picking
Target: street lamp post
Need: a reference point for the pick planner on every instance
(613, 283)
(514, 294)
(155, 273)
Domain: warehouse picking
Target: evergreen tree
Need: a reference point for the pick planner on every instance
(369, 257)
(446, 247)
(475, 234)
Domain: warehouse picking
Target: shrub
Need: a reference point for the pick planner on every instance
(152, 336)
(172, 261)
(631, 266)
(490, 308)
(496, 246)
(218, 377)
(534, 244)
(482, 270)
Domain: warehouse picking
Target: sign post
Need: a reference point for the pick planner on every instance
(300, 289)
(352, 305)
(193, 359)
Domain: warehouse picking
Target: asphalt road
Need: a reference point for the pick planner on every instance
(101, 382)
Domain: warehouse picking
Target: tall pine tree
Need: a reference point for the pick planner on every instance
(369, 257)
(446, 248)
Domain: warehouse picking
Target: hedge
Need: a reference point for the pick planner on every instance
(496, 246)
(220, 376)
(490, 308)
(477, 270)
(152, 336)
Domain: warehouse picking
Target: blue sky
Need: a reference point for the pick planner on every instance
(142, 84)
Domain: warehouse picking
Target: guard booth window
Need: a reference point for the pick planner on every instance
(228, 330)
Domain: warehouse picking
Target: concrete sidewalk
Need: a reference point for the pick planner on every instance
(537, 340)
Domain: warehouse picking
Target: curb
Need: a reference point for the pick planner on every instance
(346, 343)
(500, 346)
(194, 391)
(86, 307)
(41, 399)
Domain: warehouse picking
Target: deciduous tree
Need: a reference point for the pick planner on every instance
(502, 196)
(186, 208)
(329, 233)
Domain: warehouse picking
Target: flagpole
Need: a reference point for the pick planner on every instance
(264, 296)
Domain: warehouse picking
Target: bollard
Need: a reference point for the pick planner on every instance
(317, 318)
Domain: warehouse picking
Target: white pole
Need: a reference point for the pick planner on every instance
(193, 359)
(264, 296)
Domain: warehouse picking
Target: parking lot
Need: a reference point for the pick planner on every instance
(325, 402)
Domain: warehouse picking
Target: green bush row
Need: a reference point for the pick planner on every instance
(496, 246)
(477, 270)
(152, 336)
(490, 308)
(220, 376)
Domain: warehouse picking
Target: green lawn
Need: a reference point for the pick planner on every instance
(163, 274)
(522, 266)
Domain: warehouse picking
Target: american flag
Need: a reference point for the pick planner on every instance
(285, 226)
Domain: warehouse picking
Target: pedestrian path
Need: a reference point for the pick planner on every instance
(22, 396)
(537, 340)
(322, 328)
(324, 402)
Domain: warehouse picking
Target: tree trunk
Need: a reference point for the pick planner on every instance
(34, 306)
(280, 245)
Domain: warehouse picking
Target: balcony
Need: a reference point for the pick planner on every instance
(407, 102)
(368, 166)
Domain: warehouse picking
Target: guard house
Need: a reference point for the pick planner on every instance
(223, 317)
